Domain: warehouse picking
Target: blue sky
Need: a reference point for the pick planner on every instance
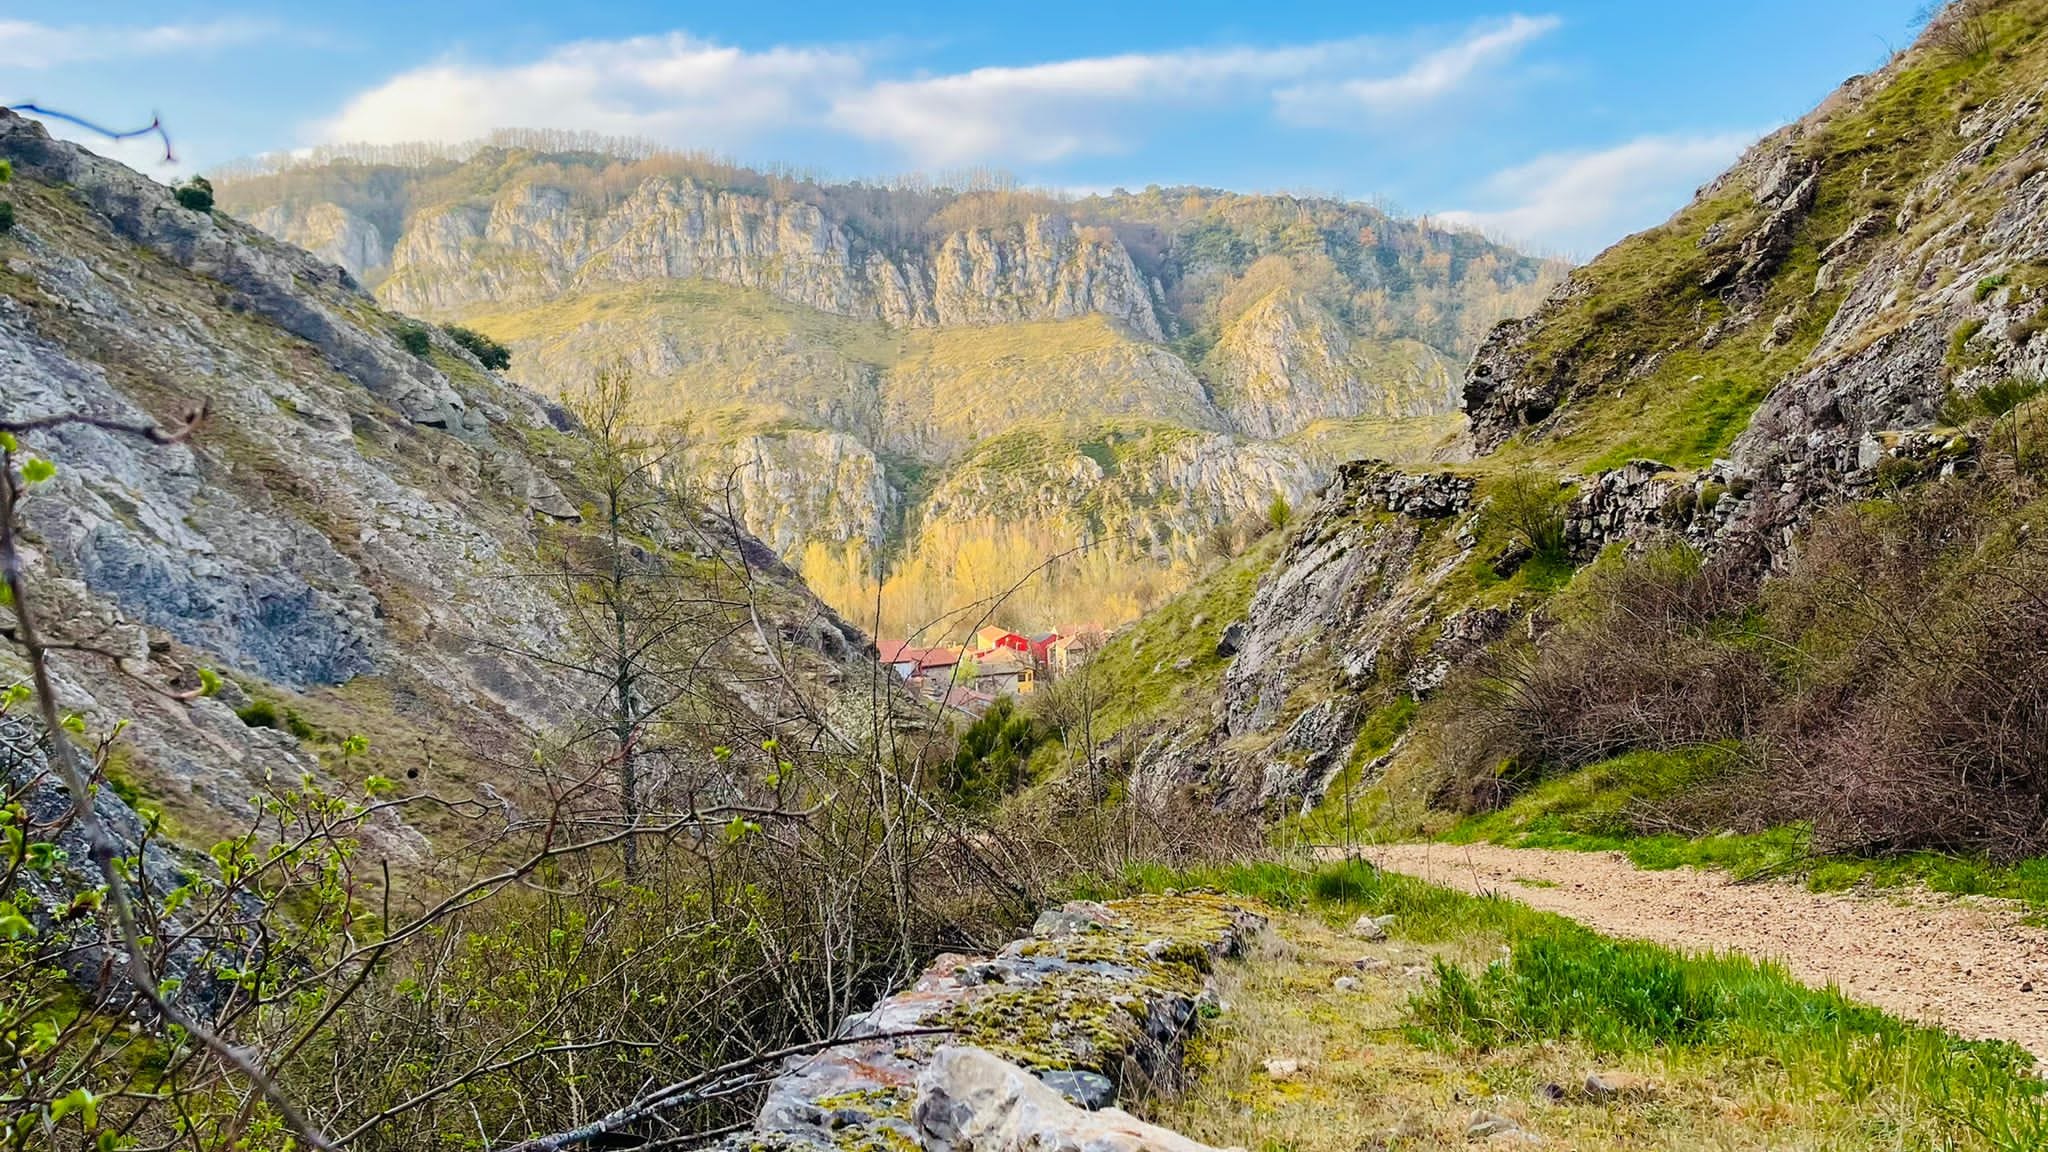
(1562, 125)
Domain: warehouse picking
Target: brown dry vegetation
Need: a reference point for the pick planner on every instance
(1887, 688)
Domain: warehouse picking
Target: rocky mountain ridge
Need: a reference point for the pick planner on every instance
(862, 340)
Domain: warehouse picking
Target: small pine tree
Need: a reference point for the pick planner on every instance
(196, 194)
(6, 207)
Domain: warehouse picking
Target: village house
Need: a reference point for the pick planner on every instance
(910, 661)
(1068, 652)
(1004, 672)
(996, 662)
(990, 639)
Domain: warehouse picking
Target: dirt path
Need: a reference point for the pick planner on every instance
(1967, 964)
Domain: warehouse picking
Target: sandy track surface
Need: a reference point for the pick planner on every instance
(1967, 964)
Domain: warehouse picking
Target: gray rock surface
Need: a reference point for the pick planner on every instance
(1012, 1063)
(352, 531)
(969, 1100)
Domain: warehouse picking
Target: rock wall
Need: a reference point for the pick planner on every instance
(532, 241)
(1037, 1043)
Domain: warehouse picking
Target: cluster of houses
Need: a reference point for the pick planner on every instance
(994, 664)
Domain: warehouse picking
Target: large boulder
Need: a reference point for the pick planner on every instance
(970, 1100)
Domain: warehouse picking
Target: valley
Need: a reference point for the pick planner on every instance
(564, 642)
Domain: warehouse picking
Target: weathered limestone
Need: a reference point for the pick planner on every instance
(1095, 1004)
(969, 1100)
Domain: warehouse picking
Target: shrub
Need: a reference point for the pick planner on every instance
(259, 713)
(487, 351)
(1647, 654)
(1989, 402)
(6, 216)
(1917, 716)
(989, 763)
(414, 339)
(1959, 354)
(195, 194)
(1278, 513)
(1528, 506)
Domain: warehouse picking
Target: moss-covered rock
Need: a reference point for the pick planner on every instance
(1099, 1000)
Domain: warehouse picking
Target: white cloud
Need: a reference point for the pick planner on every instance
(679, 89)
(673, 88)
(1579, 202)
(1434, 77)
(36, 46)
(1045, 112)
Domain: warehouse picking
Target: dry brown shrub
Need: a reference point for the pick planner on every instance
(1920, 718)
(1648, 655)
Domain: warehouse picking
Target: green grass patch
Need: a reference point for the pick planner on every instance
(1134, 692)
(1560, 982)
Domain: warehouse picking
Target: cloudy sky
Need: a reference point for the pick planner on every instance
(1562, 126)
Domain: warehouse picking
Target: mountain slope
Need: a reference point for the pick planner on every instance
(818, 335)
(356, 539)
(1820, 371)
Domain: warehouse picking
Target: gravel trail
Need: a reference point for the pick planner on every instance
(1965, 963)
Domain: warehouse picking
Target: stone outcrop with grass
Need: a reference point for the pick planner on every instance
(1029, 1048)
(1849, 314)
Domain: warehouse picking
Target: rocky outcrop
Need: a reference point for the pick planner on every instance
(1287, 363)
(533, 241)
(353, 530)
(1335, 600)
(1872, 261)
(796, 486)
(1036, 1041)
(1344, 608)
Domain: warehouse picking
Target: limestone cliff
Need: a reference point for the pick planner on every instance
(352, 534)
(884, 334)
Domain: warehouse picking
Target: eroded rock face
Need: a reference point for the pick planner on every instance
(532, 241)
(353, 525)
(1338, 610)
(1287, 363)
(1094, 1005)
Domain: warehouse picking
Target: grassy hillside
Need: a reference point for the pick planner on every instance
(1662, 350)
